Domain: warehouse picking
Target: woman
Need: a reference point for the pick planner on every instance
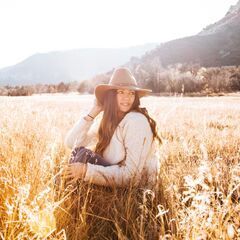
(126, 136)
(127, 139)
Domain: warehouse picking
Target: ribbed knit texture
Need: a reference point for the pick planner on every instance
(131, 151)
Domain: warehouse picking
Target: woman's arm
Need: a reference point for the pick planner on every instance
(80, 135)
(138, 143)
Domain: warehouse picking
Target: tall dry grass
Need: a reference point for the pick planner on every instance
(197, 196)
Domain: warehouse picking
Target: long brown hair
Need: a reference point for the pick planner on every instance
(111, 120)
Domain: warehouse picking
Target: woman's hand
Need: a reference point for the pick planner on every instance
(97, 105)
(96, 109)
(74, 171)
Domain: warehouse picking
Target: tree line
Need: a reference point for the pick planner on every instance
(177, 78)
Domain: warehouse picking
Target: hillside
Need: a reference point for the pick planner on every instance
(66, 66)
(216, 45)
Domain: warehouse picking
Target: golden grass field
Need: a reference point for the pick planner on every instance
(198, 196)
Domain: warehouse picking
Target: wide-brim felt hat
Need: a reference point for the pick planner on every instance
(121, 78)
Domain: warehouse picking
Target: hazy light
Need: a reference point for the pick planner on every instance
(28, 26)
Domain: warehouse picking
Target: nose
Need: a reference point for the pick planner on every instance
(126, 95)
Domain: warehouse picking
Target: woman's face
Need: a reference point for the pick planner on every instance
(125, 99)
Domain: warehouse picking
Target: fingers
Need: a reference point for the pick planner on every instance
(98, 105)
(67, 170)
(66, 177)
(73, 181)
(73, 170)
(67, 173)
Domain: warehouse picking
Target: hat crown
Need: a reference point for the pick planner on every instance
(122, 77)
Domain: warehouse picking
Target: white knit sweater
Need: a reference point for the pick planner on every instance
(131, 151)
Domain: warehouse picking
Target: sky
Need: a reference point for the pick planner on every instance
(28, 27)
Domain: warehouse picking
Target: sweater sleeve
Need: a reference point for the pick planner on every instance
(137, 137)
(80, 134)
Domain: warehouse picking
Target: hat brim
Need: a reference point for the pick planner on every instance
(101, 89)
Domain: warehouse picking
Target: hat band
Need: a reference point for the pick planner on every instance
(124, 85)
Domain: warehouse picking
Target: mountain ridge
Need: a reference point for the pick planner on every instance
(68, 65)
(218, 44)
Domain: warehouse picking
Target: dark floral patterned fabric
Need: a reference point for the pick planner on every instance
(84, 155)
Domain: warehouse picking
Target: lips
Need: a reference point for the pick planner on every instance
(125, 104)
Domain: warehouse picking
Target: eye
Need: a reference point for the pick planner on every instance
(119, 92)
(130, 93)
